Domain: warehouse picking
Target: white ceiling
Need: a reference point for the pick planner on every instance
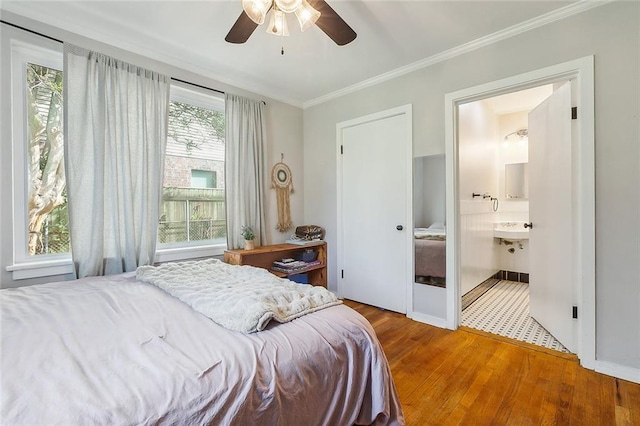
(190, 34)
(524, 100)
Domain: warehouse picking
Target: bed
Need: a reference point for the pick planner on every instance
(117, 350)
(430, 253)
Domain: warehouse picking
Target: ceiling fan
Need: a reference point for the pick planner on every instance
(307, 12)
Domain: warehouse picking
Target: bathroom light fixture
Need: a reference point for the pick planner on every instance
(522, 135)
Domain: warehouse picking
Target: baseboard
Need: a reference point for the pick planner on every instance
(620, 371)
(429, 319)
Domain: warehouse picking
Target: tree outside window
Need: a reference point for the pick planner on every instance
(48, 220)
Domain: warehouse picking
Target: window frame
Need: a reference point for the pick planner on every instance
(25, 50)
(27, 266)
(192, 249)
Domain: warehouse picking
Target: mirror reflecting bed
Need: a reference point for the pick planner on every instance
(429, 216)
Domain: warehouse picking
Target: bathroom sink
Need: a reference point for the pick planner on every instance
(511, 231)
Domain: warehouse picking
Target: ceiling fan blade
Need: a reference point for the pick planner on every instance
(241, 30)
(332, 24)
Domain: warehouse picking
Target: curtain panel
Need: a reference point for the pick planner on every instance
(116, 117)
(245, 139)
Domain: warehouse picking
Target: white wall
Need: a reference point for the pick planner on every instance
(478, 165)
(284, 134)
(513, 151)
(418, 192)
(511, 210)
(610, 33)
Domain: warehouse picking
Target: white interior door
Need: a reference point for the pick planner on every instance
(375, 213)
(550, 213)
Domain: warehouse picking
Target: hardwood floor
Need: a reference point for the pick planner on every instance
(467, 377)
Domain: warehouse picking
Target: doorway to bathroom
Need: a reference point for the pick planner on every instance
(488, 210)
(494, 181)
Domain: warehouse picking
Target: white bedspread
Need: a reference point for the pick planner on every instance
(240, 298)
(429, 234)
(116, 351)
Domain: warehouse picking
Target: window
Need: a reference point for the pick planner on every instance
(41, 232)
(193, 216)
(193, 209)
(47, 217)
(203, 179)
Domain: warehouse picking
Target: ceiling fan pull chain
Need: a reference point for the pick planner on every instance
(282, 46)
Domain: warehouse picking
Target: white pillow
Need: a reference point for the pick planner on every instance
(437, 225)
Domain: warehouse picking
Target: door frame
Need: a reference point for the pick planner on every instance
(406, 111)
(582, 72)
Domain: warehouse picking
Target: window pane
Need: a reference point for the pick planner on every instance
(193, 194)
(203, 179)
(48, 220)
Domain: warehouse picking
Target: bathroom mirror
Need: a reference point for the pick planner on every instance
(516, 181)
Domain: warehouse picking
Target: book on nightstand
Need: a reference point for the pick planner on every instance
(293, 267)
(300, 242)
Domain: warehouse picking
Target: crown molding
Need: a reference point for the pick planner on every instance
(22, 14)
(556, 15)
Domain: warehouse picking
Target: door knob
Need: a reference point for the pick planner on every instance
(528, 225)
(399, 228)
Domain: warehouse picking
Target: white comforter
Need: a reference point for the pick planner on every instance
(429, 234)
(240, 298)
(115, 351)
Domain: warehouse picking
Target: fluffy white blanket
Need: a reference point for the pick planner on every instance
(429, 234)
(240, 298)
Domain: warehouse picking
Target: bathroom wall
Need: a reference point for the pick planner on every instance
(478, 145)
(512, 210)
(511, 151)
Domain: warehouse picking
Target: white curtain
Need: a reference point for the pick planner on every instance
(115, 137)
(245, 139)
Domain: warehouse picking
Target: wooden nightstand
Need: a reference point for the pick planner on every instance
(264, 256)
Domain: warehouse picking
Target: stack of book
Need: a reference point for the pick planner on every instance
(301, 241)
(292, 266)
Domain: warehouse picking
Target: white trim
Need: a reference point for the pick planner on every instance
(180, 92)
(555, 15)
(42, 268)
(22, 53)
(24, 10)
(170, 252)
(63, 265)
(184, 253)
(405, 110)
(616, 370)
(155, 52)
(582, 70)
(430, 319)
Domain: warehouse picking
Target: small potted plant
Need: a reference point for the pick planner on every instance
(249, 236)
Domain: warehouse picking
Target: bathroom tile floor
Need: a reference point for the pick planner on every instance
(504, 310)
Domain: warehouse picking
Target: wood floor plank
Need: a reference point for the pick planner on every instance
(461, 377)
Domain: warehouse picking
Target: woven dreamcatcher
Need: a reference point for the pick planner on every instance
(282, 181)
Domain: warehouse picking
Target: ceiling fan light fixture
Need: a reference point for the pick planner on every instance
(278, 23)
(307, 15)
(288, 6)
(256, 9)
